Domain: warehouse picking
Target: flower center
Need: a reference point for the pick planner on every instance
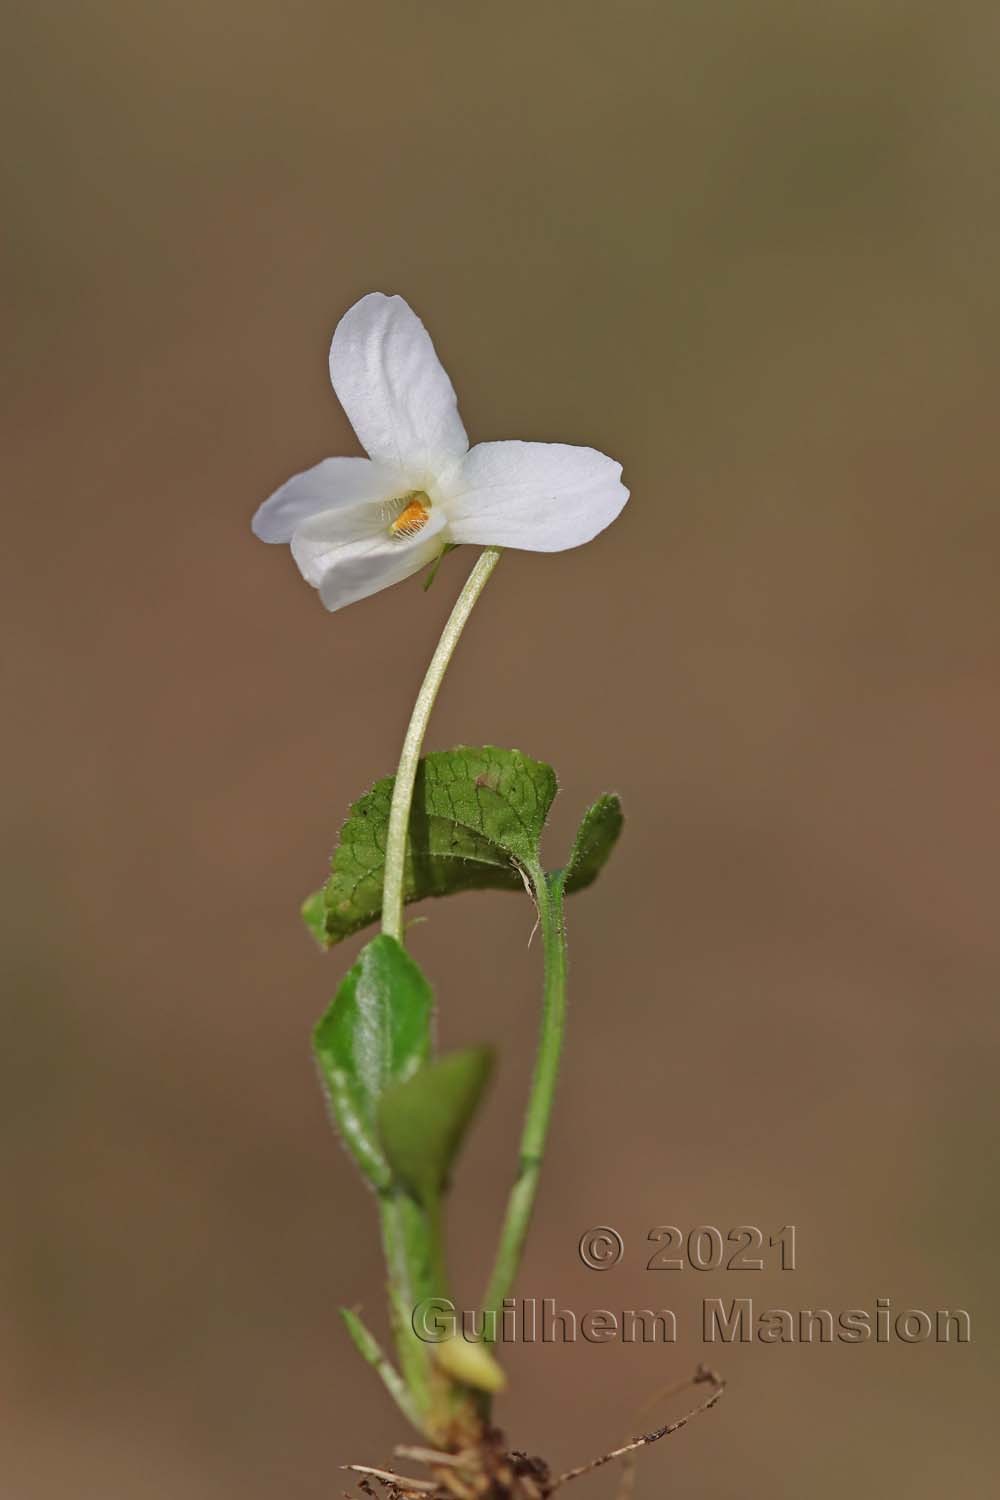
(414, 515)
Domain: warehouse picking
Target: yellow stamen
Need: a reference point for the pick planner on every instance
(413, 517)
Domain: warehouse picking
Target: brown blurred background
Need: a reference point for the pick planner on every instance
(750, 250)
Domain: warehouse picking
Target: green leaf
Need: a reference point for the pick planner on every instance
(476, 823)
(595, 839)
(374, 1035)
(422, 1121)
(314, 916)
(369, 1349)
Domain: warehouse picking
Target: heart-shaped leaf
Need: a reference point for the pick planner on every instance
(422, 1121)
(476, 823)
(375, 1034)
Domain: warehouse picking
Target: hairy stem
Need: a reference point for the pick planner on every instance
(402, 792)
(549, 894)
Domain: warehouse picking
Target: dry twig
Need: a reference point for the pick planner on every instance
(701, 1376)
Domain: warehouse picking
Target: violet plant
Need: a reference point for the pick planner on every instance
(448, 821)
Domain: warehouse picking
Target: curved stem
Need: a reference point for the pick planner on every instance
(549, 894)
(409, 759)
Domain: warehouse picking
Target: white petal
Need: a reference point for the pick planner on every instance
(349, 554)
(394, 388)
(539, 496)
(334, 482)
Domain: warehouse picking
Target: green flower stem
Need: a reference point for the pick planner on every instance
(402, 792)
(549, 895)
(412, 1238)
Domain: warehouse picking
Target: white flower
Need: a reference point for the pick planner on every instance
(358, 524)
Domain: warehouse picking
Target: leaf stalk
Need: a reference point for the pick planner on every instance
(551, 917)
